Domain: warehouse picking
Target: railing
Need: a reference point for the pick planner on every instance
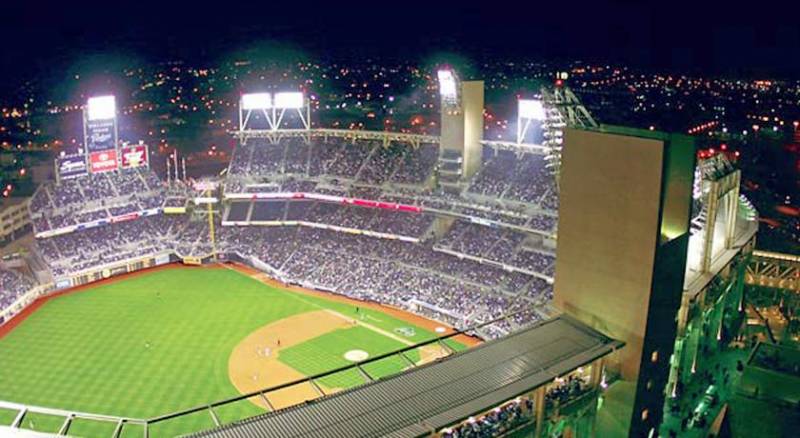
(773, 269)
(69, 417)
(123, 424)
(495, 263)
(385, 136)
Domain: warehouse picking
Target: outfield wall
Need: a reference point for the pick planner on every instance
(123, 267)
(84, 277)
(104, 272)
(24, 301)
(113, 269)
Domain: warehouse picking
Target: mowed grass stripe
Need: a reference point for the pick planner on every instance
(7, 416)
(146, 346)
(160, 342)
(326, 352)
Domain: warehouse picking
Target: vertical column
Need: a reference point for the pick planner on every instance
(711, 221)
(597, 373)
(452, 129)
(472, 104)
(681, 341)
(538, 406)
(594, 383)
(732, 205)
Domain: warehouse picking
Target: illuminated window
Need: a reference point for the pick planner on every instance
(654, 357)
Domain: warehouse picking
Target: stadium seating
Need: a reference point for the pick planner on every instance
(12, 286)
(513, 187)
(74, 252)
(483, 266)
(497, 422)
(96, 196)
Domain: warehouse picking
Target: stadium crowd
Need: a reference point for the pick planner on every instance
(95, 196)
(513, 187)
(74, 252)
(515, 413)
(565, 390)
(12, 286)
(403, 274)
(480, 268)
(314, 212)
(409, 275)
(368, 162)
(495, 423)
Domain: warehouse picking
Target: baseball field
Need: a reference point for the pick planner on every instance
(176, 337)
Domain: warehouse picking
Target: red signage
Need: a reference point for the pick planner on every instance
(124, 217)
(103, 161)
(134, 155)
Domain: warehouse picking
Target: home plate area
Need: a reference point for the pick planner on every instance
(356, 355)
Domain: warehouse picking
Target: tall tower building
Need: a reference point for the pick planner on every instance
(461, 127)
(623, 235)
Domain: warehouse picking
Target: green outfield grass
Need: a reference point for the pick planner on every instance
(160, 342)
(327, 351)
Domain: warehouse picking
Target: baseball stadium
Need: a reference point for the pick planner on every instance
(333, 282)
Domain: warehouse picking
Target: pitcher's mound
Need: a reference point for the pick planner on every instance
(356, 355)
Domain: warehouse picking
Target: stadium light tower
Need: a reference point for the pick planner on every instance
(528, 110)
(291, 100)
(254, 102)
(101, 108)
(274, 107)
(461, 121)
(100, 133)
(449, 89)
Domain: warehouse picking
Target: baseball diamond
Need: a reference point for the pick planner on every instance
(173, 337)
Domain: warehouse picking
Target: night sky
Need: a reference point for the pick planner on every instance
(761, 39)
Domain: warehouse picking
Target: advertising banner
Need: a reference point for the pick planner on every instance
(103, 161)
(64, 283)
(162, 259)
(71, 167)
(134, 156)
(124, 218)
(101, 135)
(174, 210)
(191, 260)
(119, 270)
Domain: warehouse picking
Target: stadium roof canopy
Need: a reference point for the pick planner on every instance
(438, 394)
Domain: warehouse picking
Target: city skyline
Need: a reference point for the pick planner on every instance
(691, 38)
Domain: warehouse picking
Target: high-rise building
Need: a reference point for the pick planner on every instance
(623, 236)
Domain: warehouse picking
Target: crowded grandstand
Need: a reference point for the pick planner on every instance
(464, 258)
